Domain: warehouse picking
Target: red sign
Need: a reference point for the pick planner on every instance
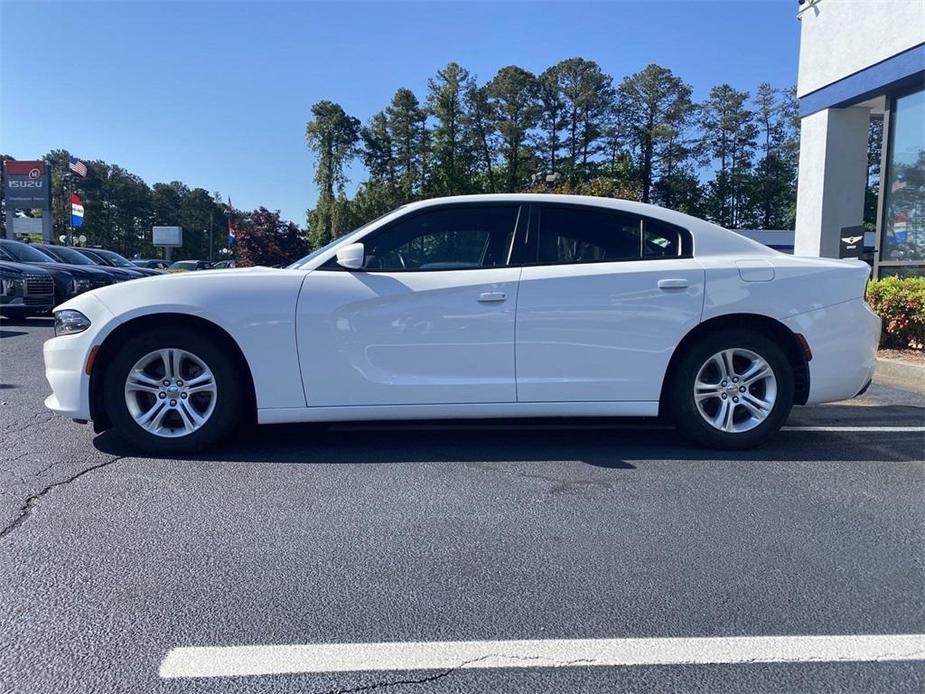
(32, 169)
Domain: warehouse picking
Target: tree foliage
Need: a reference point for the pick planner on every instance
(332, 135)
(265, 239)
(120, 209)
(731, 158)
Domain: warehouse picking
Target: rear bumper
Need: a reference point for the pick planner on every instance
(843, 339)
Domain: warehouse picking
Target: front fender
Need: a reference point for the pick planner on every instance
(256, 308)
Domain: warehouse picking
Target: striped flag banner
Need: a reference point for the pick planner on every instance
(77, 166)
(77, 211)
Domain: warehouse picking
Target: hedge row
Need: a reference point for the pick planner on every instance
(900, 302)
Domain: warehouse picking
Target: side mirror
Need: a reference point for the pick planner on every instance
(351, 256)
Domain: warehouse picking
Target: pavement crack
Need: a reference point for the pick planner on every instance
(25, 510)
(408, 680)
(526, 659)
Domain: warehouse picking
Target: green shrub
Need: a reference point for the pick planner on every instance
(900, 302)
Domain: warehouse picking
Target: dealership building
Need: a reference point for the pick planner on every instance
(862, 60)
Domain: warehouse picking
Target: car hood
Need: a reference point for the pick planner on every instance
(75, 270)
(21, 269)
(122, 273)
(208, 293)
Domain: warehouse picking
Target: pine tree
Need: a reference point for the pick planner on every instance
(332, 135)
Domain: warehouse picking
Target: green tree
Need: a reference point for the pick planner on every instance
(480, 124)
(407, 126)
(587, 97)
(451, 151)
(728, 133)
(655, 109)
(513, 94)
(332, 135)
(772, 189)
(379, 150)
(552, 118)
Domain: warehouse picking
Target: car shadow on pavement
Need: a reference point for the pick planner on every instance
(605, 443)
(11, 333)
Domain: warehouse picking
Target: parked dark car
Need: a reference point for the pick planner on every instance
(70, 280)
(151, 263)
(223, 265)
(25, 290)
(187, 265)
(66, 254)
(113, 259)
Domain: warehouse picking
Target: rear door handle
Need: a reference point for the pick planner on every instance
(492, 297)
(675, 283)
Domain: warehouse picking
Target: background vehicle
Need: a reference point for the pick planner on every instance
(621, 309)
(189, 265)
(25, 290)
(151, 264)
(70, 280)
(113, 259)
(66, 254)
(223, 265)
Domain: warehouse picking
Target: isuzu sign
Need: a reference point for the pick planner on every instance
(26, 185)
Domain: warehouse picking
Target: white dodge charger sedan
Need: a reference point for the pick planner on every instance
(478, 306)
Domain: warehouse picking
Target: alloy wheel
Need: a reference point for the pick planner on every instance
(170, 393)
(735, 390)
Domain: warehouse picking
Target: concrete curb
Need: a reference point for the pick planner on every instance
(898, 373)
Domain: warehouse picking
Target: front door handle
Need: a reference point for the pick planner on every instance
(492, 297)
(675, 283)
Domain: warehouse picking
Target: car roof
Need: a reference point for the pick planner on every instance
(709, 238)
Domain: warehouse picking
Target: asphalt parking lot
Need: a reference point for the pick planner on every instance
(111, 563)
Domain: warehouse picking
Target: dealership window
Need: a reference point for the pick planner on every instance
(902, 241)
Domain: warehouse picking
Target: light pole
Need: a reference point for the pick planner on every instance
(211, 213)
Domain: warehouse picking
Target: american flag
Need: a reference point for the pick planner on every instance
(77, 166)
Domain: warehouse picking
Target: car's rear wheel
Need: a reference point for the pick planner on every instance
(172, 391)
(732, 389)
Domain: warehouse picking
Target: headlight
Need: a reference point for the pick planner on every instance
(81, 285)
(10, 286)
(70, 322)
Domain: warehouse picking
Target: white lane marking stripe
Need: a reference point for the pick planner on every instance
(862, 429)
(615, 427)
(241, 661)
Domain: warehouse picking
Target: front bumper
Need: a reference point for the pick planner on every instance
(66, 359)
(31, 302)
(844, 340)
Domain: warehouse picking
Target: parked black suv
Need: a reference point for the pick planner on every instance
(70, 280)
(65, 254)
(25, 290)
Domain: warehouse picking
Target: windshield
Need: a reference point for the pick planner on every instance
(114, 258)
(68, 255)
(26, 254)
(314, 254)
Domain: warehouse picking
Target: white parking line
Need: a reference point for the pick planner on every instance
(615, 427)
(863, 429)
(240, 661)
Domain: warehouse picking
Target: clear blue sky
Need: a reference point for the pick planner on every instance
(217, 94)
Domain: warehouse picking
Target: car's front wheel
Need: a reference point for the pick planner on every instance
(732, 389)
(172, 391)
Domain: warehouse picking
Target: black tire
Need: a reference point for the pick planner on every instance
(229, 398)
(681, 405)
